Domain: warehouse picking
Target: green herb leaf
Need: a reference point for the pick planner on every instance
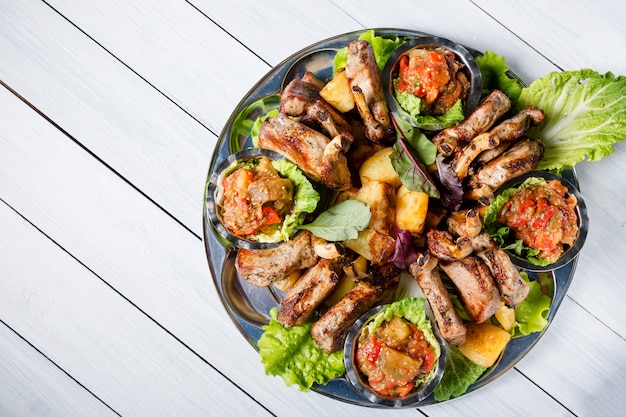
(294, 356)
(343, 221)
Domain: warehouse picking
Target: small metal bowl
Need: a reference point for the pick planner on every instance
(463, 55)
(212, 201)
(570, 253)
(359, 382)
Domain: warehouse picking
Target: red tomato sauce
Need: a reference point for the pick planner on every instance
(432, 75)
(255, 200)
(543, 217)
(394, 356)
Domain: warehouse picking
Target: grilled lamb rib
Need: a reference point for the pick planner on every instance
(513, 289)
(318, 156)
(426, 273)
(302, 100)
(263, 267)
(366, 86)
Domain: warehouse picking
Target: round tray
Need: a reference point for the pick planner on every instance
(249, 306)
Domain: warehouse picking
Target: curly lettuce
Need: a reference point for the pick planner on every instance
(497, 76)
(383, 47)
(292, 354)
(585, 115)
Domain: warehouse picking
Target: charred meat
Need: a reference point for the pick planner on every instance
(365, 82)
(263, 267)
(475, 286)
(494, 106)
(318, 156)
(426, 273)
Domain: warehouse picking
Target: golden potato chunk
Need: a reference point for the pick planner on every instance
(374, 246)
(411, 210)
(378, 168)
(380, 197)
(337, 92)
(484, 343)
(505, 316)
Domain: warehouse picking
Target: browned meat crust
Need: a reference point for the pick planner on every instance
(319, 157)
(475, 286)
(365, 82)
(426, 273)
(308, 293)
(262, 267)
(494, 106)
(513, 289)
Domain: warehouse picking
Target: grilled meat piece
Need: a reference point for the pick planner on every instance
(262, 267)
(318, 156)
(426, 273)
(462, 159)
(513, 289)
(366, 85)
(307, 294)
(511, 130)
(465, 223)
(330, 331)
(494, 106)
(302, 100)
(441, 244)
(522, 157)
(475, 286)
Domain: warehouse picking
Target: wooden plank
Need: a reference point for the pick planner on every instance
(560, 30)
(116, 352)
(33, 385)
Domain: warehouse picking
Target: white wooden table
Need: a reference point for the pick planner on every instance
(110, 114)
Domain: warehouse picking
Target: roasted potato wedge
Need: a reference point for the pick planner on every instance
(337, 92)
(484, 343)
(374, 246)
(411, 209)
(380, 197)
(378, 168)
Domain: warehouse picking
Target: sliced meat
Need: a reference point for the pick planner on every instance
(513, 289)
(330, 331)
(462, 159)
(443, 246)
(366, 85)
(465, 223)
(511, 130)
(308, 293)
(426, 273)
(302, 100)
(522, 157)
(494, 106)
(318, 156)
(475, 286)
(263, 267)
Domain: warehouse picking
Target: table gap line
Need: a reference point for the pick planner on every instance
(128, 300)
(56, 365)
(132, 70)
(96, 157)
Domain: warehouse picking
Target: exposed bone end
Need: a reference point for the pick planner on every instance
(327, 250)
(466, 223)
(442, 245)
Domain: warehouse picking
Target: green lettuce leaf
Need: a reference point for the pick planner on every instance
(383, 47)
(413, 310)
(460, 373)
(497, 76)
(293, 355)
(411, 104)
(305, 201)
(585, 115)
(343, 221)
(531, 314)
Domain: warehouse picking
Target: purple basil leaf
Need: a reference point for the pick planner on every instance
(452, 195)
(404, 254)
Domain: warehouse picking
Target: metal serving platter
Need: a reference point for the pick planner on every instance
(249, 306)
